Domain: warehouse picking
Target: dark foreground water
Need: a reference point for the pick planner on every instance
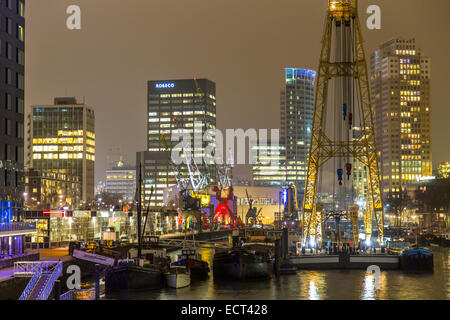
(317, 285)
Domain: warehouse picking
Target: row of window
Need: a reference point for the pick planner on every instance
(14, 103)
(20, 30)
(13, 153)
(20, 6)
(17, 55)
(8, 129)
(18, 80)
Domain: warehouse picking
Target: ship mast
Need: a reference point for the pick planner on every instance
(139, 213)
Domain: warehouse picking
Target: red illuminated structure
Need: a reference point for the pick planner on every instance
(223, 208)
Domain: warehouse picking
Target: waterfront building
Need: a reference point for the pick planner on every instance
(174, 106)
(57, 228)
(400, 88)
(296, 113)
(443, 170)
(12, 62)
(156, 172)
(269, 169)
(421, 211)
(50, 190)
(121, 180)
(62, 141)
(266, 198)
(360, 177)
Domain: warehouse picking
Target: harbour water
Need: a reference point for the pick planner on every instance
(316, 285)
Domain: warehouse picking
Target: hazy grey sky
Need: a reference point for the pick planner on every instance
(242, 45)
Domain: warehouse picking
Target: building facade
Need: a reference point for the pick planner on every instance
(360, 176)
(49, 190)
(400, 88)
(266, 171)
(12, 106)
(296, 113)
(157, 172)
(57, 228)
(122, 181)
(62, 141)
(443, 170)
(175, 107)
(12, 70)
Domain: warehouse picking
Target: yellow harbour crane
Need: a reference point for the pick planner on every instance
(342, 60)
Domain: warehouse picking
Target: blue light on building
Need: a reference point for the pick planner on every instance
(164, 85)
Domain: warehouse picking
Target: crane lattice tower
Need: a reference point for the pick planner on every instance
(350, 68)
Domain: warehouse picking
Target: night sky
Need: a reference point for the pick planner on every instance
(242, 45)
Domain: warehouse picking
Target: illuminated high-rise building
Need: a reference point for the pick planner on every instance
(296, 113)
(175, 107)
(359, 176)
(400, 87)
(62, 140)
(443, 170)
(121, 181)
(268, 169)
(12, 85)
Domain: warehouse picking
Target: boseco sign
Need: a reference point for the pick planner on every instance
(164, 85)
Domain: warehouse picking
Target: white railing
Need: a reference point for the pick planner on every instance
(17, 226)
(29, 268)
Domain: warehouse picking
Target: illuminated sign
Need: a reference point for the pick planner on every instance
(426, 178)
(165, 85)
(204, 198)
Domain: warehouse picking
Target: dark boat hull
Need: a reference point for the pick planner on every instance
(199, 269)
(417, 260)
(242, 265)
(441, 242)
(126, 277)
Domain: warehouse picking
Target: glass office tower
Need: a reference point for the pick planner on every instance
(62, 140)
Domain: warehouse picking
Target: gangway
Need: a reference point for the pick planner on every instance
(95, 258)
(43, 277)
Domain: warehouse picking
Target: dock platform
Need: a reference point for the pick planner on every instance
(345, 261)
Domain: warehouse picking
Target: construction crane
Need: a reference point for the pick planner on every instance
(224, 191)
(253, 214)
(343, 61)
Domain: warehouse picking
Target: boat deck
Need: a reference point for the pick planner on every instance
(345, 261)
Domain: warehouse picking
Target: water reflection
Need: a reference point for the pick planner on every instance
(313, 285)
(313, 291)
(369, 287)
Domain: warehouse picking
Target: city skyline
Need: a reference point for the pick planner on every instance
(243, 58)
(119, 119)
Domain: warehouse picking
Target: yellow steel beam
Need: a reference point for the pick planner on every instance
(322, 148)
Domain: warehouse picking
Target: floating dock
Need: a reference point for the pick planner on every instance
(345, 261)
